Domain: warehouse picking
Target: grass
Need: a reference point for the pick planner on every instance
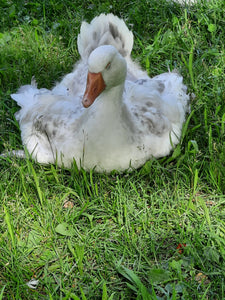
(94, 236)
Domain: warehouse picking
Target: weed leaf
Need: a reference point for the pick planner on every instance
(65, 229)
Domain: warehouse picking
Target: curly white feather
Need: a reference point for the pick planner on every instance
(105, 30)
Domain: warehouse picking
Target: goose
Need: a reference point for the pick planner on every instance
(107, 114)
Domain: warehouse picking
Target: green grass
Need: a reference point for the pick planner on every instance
(95, 236)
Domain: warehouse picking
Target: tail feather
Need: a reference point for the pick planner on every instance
(105, 30)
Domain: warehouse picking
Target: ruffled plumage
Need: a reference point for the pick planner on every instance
(132, 119)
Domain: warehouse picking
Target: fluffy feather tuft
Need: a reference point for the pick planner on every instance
(105, 30)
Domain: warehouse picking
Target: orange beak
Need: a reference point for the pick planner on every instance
(95, 85)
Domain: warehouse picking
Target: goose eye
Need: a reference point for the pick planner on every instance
(108, 66)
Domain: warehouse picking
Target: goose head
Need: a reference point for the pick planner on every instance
(106, 69)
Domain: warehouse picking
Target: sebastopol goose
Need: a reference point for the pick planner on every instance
(107, 114)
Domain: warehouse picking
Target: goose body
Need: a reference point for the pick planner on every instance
(107, 114)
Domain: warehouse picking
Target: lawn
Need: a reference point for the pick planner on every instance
(155, 233)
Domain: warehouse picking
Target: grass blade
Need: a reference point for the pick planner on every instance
(8, 221)
(37, 184)
(2, 292)
(190, 66)
(135, 280)
(104, 292)
(206, 210)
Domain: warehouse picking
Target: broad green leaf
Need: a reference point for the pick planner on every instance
(158, 275)
(176, 265)
(65, 229)
(212, 27)
(34, 238)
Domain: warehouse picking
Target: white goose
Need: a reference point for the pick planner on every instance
(126, 117)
